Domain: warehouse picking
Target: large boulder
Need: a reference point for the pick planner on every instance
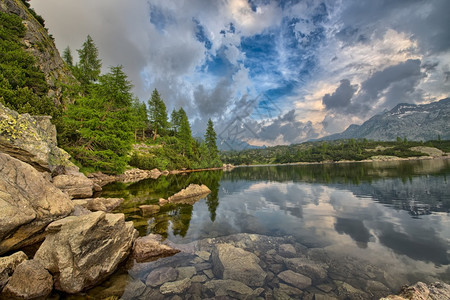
(150, 246)
(191, 194)
(75, 185)
(80, 251)
(99, 204)
(29, 281)
(28, 203)
(32, 140)
(8, 264)
(234, 263)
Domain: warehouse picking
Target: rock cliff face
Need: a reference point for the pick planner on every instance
(41, 45)
(28, 203)
(32, 140)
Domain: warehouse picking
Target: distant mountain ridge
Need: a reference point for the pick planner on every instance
(414, 122)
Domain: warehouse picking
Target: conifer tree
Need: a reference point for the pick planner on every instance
(89, 65)
(100, 126)
(175, 121)
(184, 133)
(210, 140)
(157, 114)
(140, 118)
(67, 56)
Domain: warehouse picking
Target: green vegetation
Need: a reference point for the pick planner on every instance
(329, 151)
(88, 69)
(102, 124)
(103, 119)
(157, 114)
(99, 126)
(22, 84)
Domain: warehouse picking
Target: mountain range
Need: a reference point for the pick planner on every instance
(413, 122)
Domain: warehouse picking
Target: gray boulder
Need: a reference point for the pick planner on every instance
(29, 281)
(315, 271)
(7, 266)
(296, 280)
(29, 202)
(175, 287)
(160, 276)
(99, 204)
(32, 140)
(80, 251)
(234, 263)
(75, 185)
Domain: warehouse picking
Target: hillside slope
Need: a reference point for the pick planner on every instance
(40, 44)
(414, 122)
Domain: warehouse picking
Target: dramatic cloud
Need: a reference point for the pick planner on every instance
(341, 97)
(407, 72)
(323, 64)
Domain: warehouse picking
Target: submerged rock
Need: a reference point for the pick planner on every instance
(234, 263)
(315, 271)
(295, 279)
(175, 287)
(148, 210)
(29, 281)
(8, 264)
(29, 202)
(231, 288)
(193, 191)
(160, 276)
(422, 291)
(150, 246)
(81, 251)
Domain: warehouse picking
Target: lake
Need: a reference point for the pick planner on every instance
(356, 230)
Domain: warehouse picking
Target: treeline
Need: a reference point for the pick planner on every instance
(329, 151)
(100, 119)
(102, 124)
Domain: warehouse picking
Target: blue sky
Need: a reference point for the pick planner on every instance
(283, 71)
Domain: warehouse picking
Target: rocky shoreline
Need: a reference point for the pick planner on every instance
(252, 266)
(373, 159)
(135, 174)
(46, 201)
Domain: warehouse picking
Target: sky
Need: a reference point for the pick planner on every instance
(267, 72)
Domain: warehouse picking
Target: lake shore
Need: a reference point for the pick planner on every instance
(375, 159)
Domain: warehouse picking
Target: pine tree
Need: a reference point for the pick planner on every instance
(157, 114)
(175, 121)
(184, 133)
(89, 66)
(210, 140)
(99, 127)
(67, 56)
(140, 118)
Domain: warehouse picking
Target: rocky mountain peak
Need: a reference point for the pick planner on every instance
(411, 121)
